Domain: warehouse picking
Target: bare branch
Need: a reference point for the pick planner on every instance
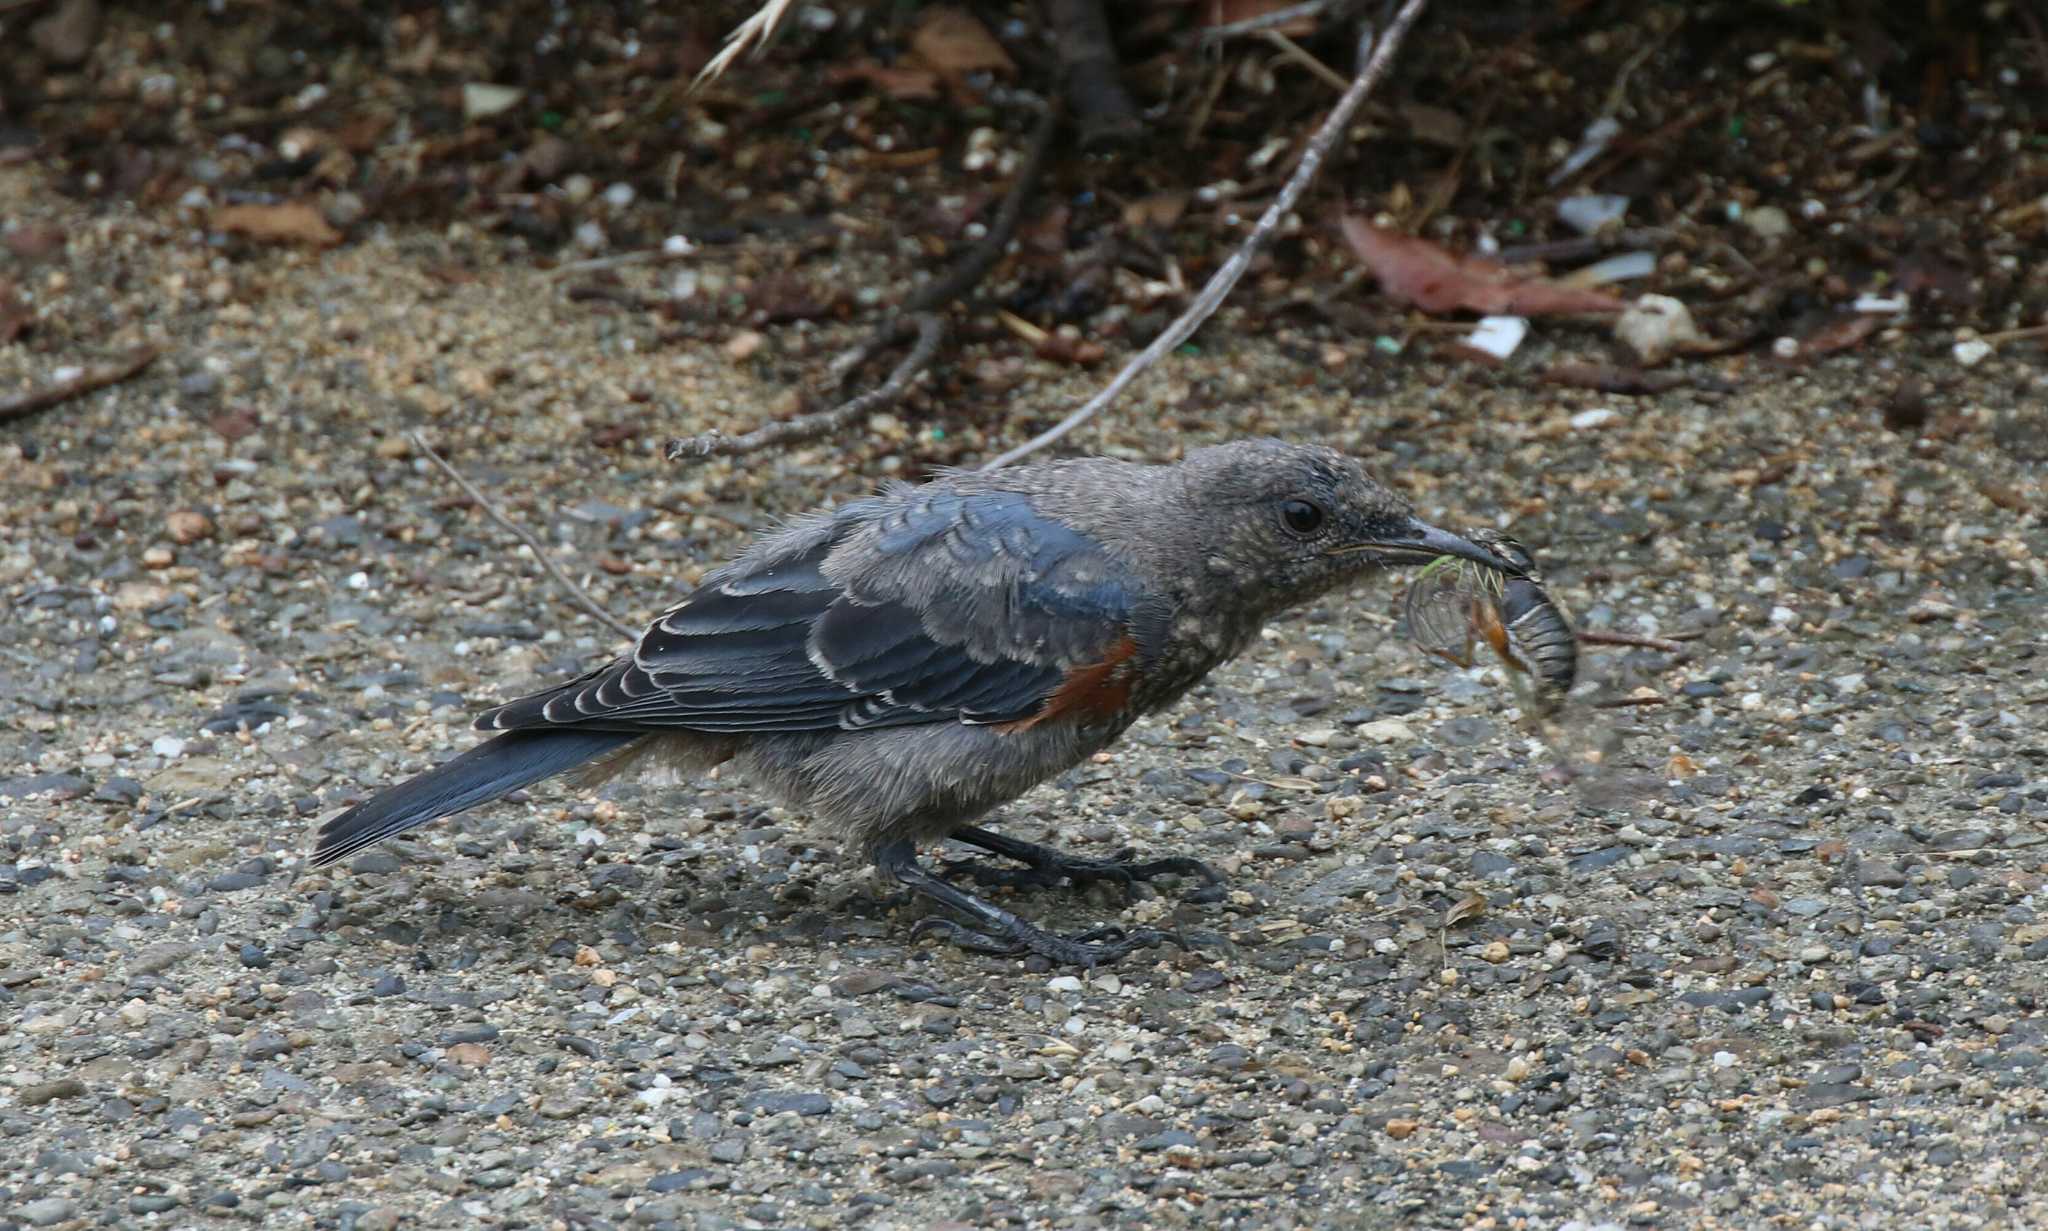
(975, 263)
(1296, 52)
(1225, 278)
(675, 249)
(540, 553)
(918, 315)
(714, 443)
(92, 380)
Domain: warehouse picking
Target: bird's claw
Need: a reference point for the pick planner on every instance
(1094, 947)
(990, 876)
(1048, 872)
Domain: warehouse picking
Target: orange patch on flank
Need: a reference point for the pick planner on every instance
(1096, 689)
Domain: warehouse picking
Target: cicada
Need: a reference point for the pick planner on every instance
(1453, 605)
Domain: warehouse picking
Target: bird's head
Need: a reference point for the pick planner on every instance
(1285, 522)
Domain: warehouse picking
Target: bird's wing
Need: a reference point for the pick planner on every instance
(926, 605)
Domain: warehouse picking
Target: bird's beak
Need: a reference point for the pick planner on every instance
(1421, 542)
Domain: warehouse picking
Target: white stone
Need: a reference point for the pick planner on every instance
(482, 100)
(1655, 325)
(1971, 351)
(1498, 335)
(1387, 731)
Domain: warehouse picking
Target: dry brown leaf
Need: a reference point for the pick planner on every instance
(954, 42)
(1434, 279)
(1471, 906)
(235, 423)
(1063, 349)
(35, 240)
(1840, 333)
(902, 82)
(289, 222)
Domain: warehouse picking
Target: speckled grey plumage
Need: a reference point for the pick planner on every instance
(900, 665)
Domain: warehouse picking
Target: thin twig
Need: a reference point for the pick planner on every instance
(973, 264)
(2015, 335)
(714, 443)
(600, 293)
(918, 315)
(642, 256)
(1299, 54)
(1212, 35)
(1219, 77)
(1225, 278)
(22, 405)
(540, 553)
(1599, 636)
(1627, 703)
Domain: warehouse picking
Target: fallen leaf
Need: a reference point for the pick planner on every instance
(954, 42)
(289, 222)
(902, 82)
(1063, 349)
(1840, 333)
(1417, 271)
(1471, 906)
(234, 424)
(35, 240)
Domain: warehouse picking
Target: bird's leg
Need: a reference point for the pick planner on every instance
(1046, 865)
(995, 930)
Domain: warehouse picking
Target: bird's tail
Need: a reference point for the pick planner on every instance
(493, 768)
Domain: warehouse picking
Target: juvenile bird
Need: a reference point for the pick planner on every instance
(900, 665)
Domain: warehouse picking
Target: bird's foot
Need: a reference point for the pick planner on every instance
(1047, 866)
(1089, 949)
(991, 929)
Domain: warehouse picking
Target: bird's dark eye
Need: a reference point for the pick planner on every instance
(1301, 517)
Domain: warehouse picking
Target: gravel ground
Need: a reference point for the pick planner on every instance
(1779, 961)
